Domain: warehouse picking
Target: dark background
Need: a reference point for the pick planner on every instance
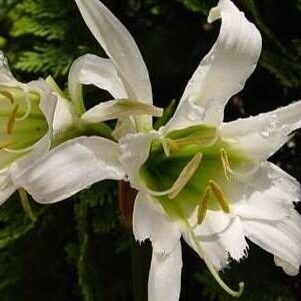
(80, 249)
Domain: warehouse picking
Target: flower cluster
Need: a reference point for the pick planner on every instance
(197, 177)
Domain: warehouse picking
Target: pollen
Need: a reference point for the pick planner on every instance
(185, 175)
(12, 120)
(225, 163)
(220, 196)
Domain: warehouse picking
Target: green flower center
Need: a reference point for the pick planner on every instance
(22, 123)
(195, 173)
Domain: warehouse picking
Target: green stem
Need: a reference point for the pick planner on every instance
(26, 205)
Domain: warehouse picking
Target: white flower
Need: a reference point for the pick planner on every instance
(198, 178)
(26, 117)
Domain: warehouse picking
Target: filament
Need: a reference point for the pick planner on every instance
(213, 271)
(226, 164)
(28, 104)
(186, 174)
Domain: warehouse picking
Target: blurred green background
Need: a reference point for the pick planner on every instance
(79, 249)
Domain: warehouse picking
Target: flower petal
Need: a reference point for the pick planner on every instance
(69, 168)
(164, 281)
(119, 46)
(120, 108)
(134, 152)
(262, 135)
(224, 70)
(279, 238)
(221, 238)
(149, 221)
(269, 194)
(7, 186)
(48, 105)
(92, 70)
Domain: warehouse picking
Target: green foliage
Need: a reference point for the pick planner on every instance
(45, 32)
(198, 5)
(45, 59)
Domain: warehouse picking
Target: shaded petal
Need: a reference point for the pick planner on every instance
(224, 70)
(269, 194)
(7, 186)
(164, 281)
(119, 46)
(221, 238)
(119, 108)
(69, 168)
(134, 150)
(48, 105)
(261, 136)
(92, 70)
(150, 222)
(283, 239)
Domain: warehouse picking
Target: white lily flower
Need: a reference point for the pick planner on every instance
(198, 177)
(27, 117)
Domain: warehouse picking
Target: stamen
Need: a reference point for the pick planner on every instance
(185, 175)
(12, 120)
(220, 196)
(203, 207)
(26, 205)
(19, 151)
(7, 95)
(226, 164)
(213, 271)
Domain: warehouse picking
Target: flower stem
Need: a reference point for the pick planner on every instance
(26, 205)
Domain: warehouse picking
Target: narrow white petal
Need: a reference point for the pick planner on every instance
(48, 105)
(279, 238)
(269, 194)
(7, 186)
(119, 46)
(224, 70)
(63, 115)
(69, 168)
(150, 222)
(92, 70)
(164, 281)
(134, 150)
(221, 238)
(261, 136)
(119, 108)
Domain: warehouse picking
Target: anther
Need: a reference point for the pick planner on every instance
(220, 196)
(185, 175)
(7, 95)
(12, 120)
(203, 206)
(226, 164)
